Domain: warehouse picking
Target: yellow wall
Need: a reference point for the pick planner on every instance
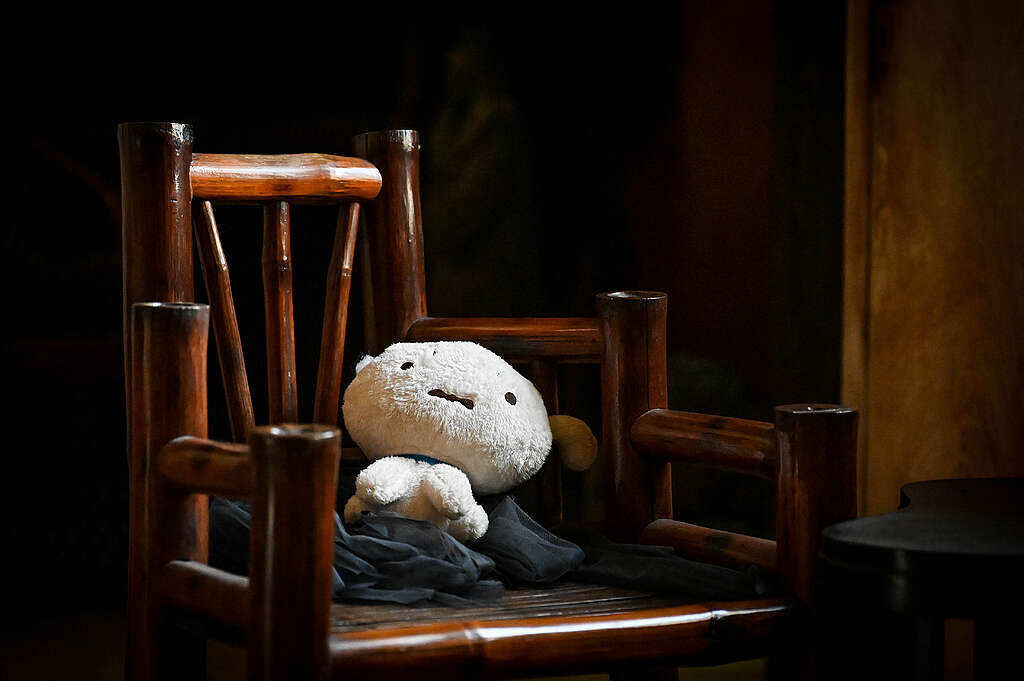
(934, 261)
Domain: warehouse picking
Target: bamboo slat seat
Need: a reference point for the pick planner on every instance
(554, 600)
(572, 629)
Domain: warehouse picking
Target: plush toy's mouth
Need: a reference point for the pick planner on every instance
(464, 401)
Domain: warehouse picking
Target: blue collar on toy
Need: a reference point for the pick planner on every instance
(421, 457)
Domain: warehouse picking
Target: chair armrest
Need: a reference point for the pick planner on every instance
(709, 545)
(206, 466)
(717, 441)
(207, 591)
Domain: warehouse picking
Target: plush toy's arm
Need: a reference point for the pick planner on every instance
(383, 482)
(388, 479)
(450, 492)
(448, 489)
(440, 494)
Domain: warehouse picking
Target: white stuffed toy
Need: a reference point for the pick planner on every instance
(441, 421)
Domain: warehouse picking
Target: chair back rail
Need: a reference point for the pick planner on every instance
(297, 178)
(566, 339)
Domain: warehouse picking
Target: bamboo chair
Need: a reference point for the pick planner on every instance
(282, 613)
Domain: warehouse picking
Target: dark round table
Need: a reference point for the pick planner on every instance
(954, 549)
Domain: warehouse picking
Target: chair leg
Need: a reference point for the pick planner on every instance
(156, 223)
(816, 487)
(168, 397)
(637, 490)
(295, 475)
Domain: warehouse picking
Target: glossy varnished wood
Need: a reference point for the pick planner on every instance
(332, 340)
(708, 545)
(206, 466)
(563, 338)
(717, 441)
(702, 633)
(394, 279)
(300, 178)
(816, 487)
(156, 246)
(169, 343)
(277, 296)
(637, 489)
(291, 547)
(225, 324)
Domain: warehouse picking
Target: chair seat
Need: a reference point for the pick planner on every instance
(558, 600)
(558, 627)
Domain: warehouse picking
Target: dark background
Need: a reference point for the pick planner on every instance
(695, 150)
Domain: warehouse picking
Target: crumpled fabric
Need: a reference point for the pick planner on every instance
(389, 558)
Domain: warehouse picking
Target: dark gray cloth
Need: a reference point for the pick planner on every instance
(386, 557)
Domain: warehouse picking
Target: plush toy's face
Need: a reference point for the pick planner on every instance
(455, 401)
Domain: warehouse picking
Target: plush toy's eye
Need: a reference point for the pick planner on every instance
(510, 398)
(407, 365)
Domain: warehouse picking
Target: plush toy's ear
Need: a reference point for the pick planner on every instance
(361, 364)
(576, 444)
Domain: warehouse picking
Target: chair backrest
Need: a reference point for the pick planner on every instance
(158, 168)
